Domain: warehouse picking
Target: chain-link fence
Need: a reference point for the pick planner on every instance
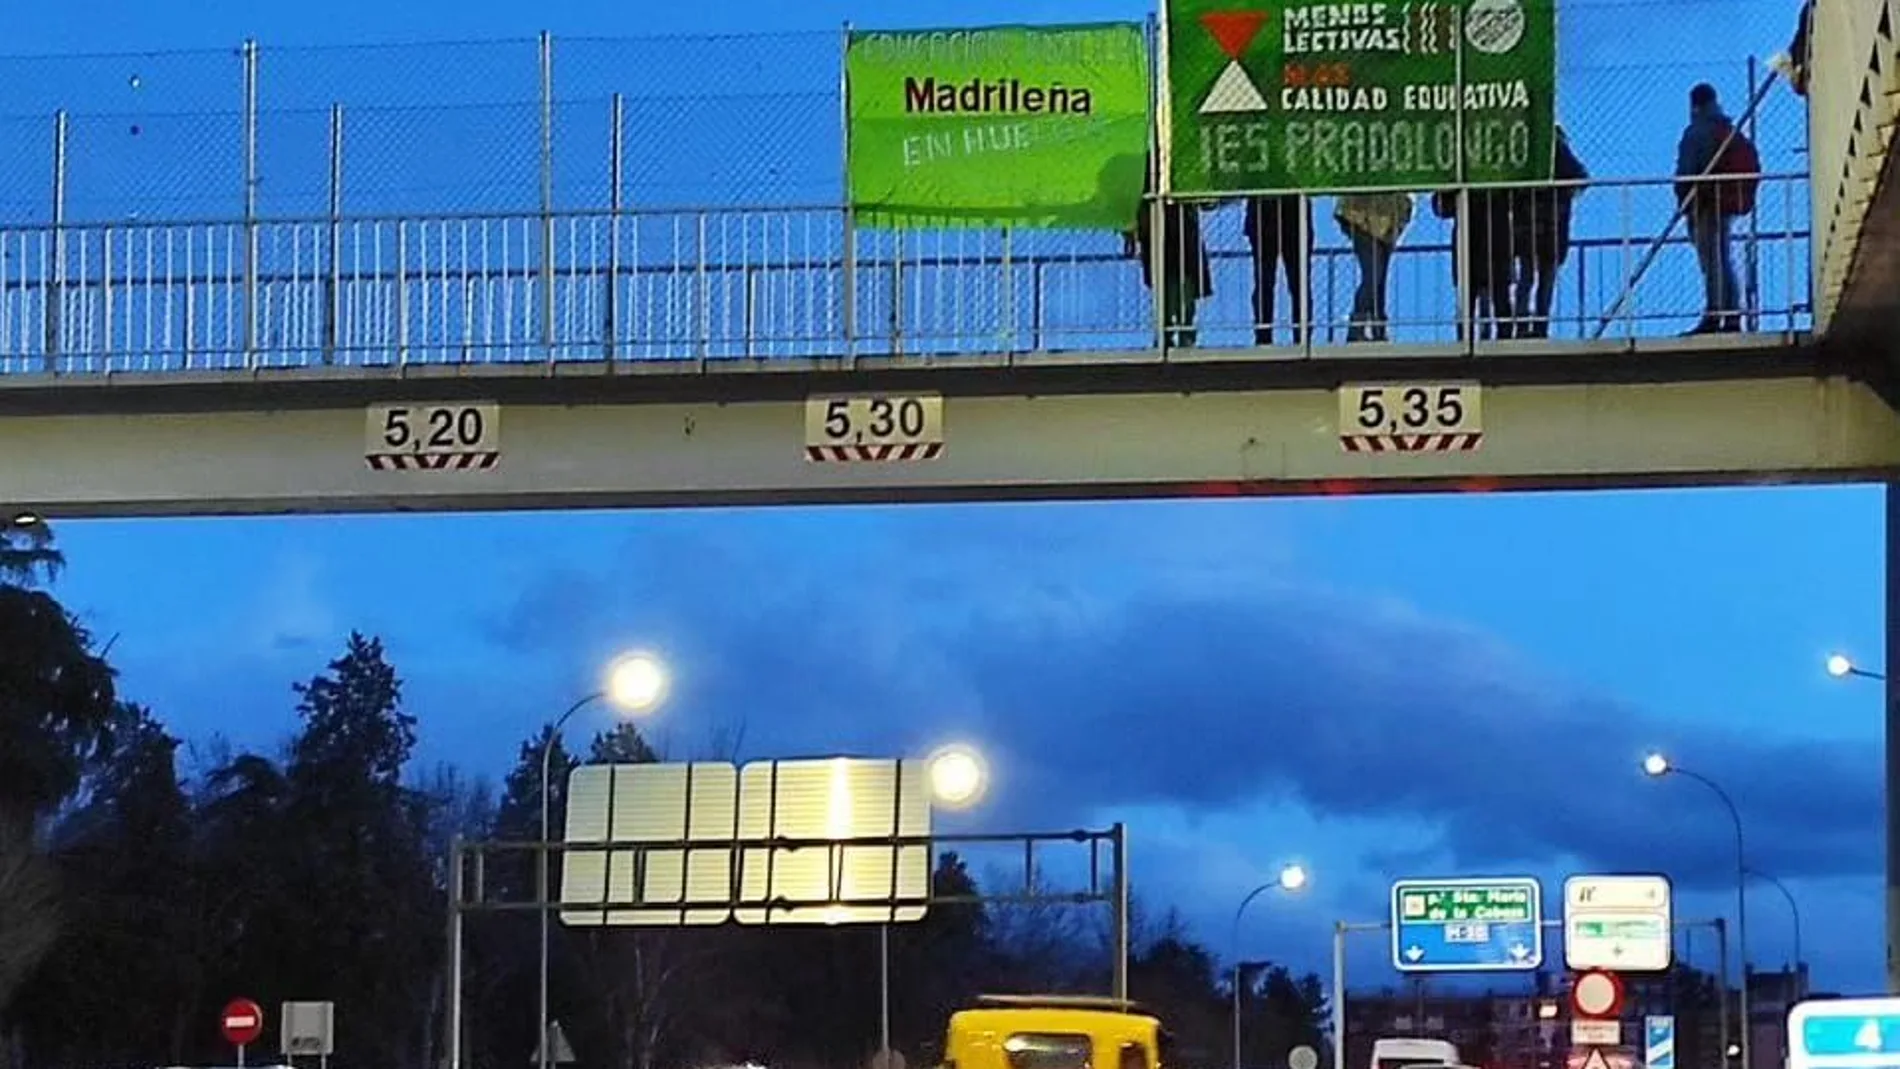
(546, 198)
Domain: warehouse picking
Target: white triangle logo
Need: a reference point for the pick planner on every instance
(1596, 1060)
(1233, 92)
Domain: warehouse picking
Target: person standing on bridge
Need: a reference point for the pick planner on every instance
(1540, 238)
(1280, 231)
(1186, 274)
(1373, 223)
(1711, 145)
(1481, 247)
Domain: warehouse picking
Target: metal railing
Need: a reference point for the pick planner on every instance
(764, 284)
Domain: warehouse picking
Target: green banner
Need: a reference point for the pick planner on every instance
(1020, 126)
(1284, 94)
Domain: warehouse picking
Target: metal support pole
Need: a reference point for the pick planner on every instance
(850, 254)
(884, 993)
(1892, 687)
(1339, 996)
(616, 175)
(1752, 262)
(452, 1046)
(56, 296)
(1741, 945)
(333, 307)
(250, 203)
(1120, 833)
(1722, 1003)
(1240, 977)
(547, 194)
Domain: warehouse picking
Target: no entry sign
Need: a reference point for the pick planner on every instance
(242, 1022)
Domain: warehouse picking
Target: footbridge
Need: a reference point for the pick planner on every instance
(543, 347)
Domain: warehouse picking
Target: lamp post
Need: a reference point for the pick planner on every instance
(1657, 766)
(1291, 879)
(958, 777)
(1840, 666)
(636, 684)
(1794, 910)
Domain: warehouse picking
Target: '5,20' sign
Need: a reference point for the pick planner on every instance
(461, 436)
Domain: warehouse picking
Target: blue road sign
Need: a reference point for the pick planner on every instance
(1467, 925)
(1659, 1042)
(1847, 1033)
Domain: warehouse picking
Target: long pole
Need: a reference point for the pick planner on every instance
(1121, 910)
(1339, 995)
(1233, 946)
(884, 995)
(453, 1041)
(1721, 1000)
(544, 1057)
(1794, 913)
(1892, 688)
(1741, 903)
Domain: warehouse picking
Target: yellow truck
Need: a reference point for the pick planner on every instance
(1053, 1032)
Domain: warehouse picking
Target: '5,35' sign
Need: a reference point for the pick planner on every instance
(1403, 410)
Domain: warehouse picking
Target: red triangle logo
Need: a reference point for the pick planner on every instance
(1234, 30)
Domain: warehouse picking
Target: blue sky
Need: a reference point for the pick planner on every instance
(1379, 687)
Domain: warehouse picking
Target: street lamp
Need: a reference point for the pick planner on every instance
(1291, 879)
(1839, 665)
(636, 683)
(958, 777)
(1657, 766)
(1794, 909)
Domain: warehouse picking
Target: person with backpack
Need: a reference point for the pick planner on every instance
(1373, 223)
(1711, 145)
(1540, 238)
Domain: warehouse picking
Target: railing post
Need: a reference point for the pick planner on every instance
(402, 292)
(1751, 264)
(333, 304)
(547, 193)
(250, 204)
(55, 293)
(850, 253)
(616, 170)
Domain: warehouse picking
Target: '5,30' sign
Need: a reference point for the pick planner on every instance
(874, 419)
(1378, 409)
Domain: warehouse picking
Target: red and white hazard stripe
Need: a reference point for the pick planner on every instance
(1463, 442)
(482, 461)
(875, 453)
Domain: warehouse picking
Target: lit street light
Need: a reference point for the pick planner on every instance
(1291, 879)
(958, 777)
(1657, 766)
(1839, 665)
(635, 684)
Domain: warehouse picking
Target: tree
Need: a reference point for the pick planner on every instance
(56, 700)
(121, 979)
(360, 854)
(27, 554)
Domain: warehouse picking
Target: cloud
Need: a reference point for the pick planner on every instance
(1132, 658)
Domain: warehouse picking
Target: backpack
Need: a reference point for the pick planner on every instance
(1737, 195)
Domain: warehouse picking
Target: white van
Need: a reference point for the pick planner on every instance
(1404, 1053)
